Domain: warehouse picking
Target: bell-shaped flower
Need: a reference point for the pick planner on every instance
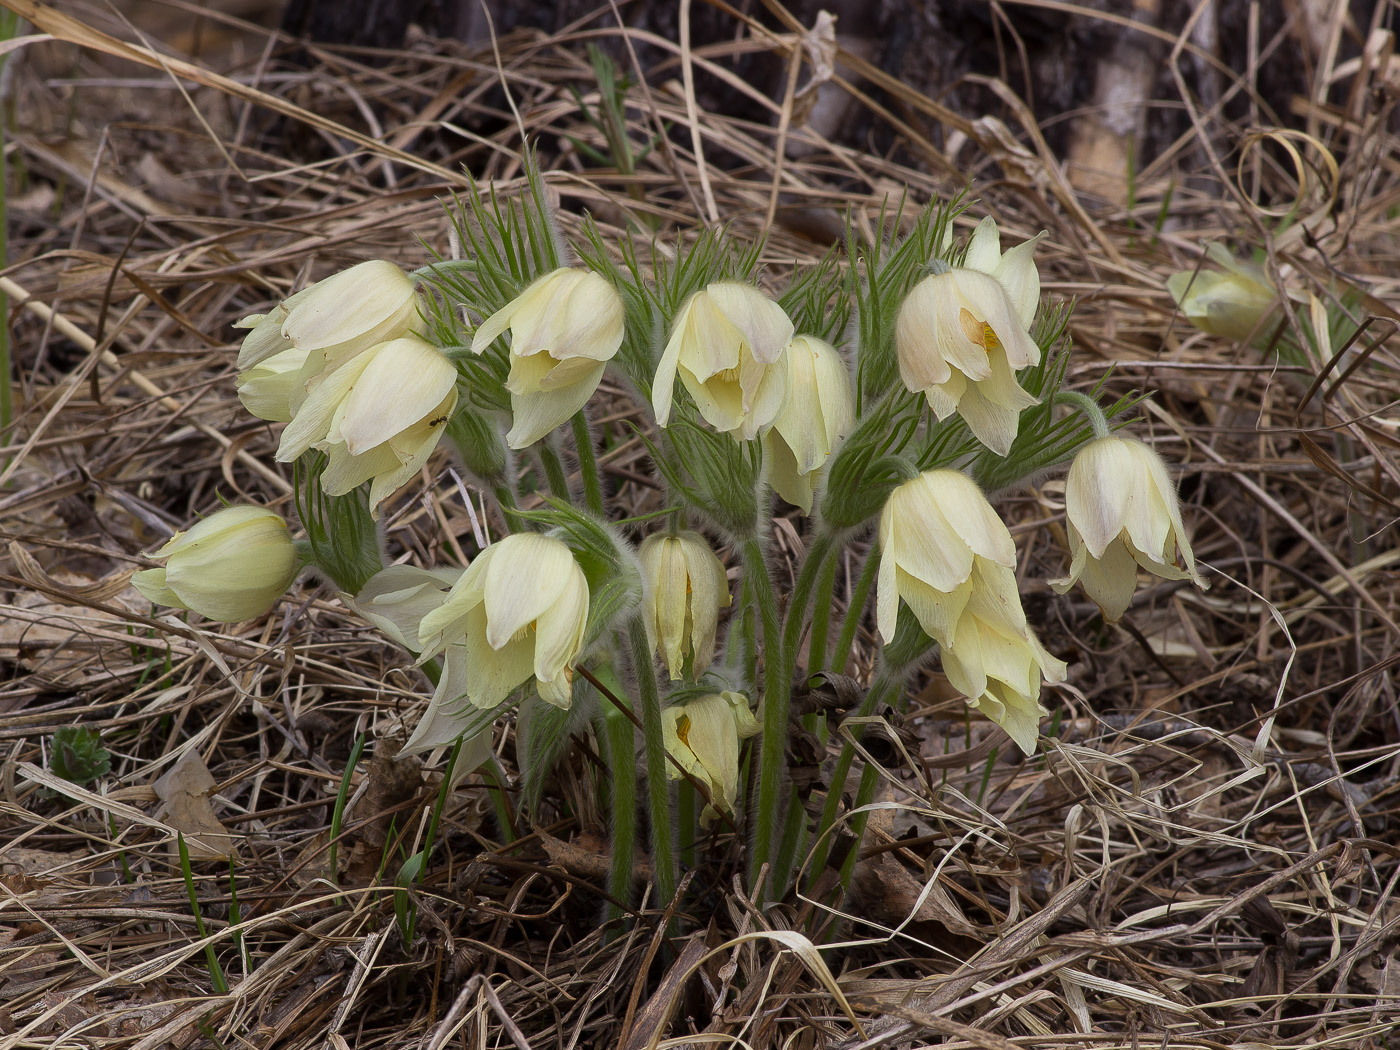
(519, 610)
(702, 736)
(962, 334)
(933, 530)
(564, 329)
(1121, 512)
(266, 389)
(684, 587)
(944, 551)
(349, 312)
(379, 417)
(726, 347)
(819, 412)
(994, 659)
(1232, 304)
(232, 565)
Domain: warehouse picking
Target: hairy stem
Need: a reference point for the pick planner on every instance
(618, 738)
(663, 848)
(1088, 408)
(588, 465)
(780, 662)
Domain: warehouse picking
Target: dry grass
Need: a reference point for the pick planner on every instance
(1202, 858)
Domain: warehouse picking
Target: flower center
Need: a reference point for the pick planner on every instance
(978, 331)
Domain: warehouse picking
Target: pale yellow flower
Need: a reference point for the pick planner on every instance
(519, 610)
(1232, 304)
(726, 347)
(961, 336)
(564, 328)
(818, 413)
(703, 735)
(396, 600)
(378, 417)
(994, 659)
(231, 566)
(946, 554)
(933, 530)
(685, 588)
(1121, 512)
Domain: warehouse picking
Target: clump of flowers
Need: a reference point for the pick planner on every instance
(878, 400)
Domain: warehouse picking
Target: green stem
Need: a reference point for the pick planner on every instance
(765, 816)
(496, 790)
(847, 639)
(821, 615)
(505, 497)
(619, 741)
(873, 697)
(588, 465)
(865, 794)
(663, 850)
(779, 666)
(554, 473)
(1088, 407)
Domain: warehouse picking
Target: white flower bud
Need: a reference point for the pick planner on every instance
(685, 587)
(703, 736)
(231, 566)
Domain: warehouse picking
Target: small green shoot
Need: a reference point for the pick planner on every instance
(987, 775)
(216, 972)
(342, 797)
(405, 910)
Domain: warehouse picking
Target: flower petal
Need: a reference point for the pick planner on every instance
(529, 574)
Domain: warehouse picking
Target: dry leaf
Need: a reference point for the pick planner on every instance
(184, 793)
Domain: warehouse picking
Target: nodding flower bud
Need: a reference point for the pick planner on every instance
(819, 412)
(703, 735)
(685, 587)
(962, 334)
(1232, 304)
(564, 330)
(231, 566)
(947, 555)
(726, 347)
(1121, 513)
